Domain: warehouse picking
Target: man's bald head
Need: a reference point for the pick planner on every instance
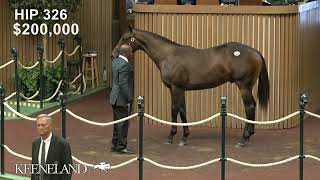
(126, 50)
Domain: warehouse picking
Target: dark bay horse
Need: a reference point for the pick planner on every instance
(186, 68)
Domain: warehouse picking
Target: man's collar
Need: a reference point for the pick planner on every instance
(48, 139)
(123, 57)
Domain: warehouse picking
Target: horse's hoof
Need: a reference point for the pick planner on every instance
(239, 145)
(182, 143)
(170, 141)
(242, 143)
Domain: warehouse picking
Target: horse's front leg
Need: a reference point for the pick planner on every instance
(174, 114)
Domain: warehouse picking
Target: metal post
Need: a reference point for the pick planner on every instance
(14, 55)
(141, 116)
(61, 44)
(41, 84)
(2, 97)
(223, 135)
(79, 41)
(303, 103)
(63, 103)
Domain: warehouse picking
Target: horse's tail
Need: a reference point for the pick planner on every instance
(263, 86)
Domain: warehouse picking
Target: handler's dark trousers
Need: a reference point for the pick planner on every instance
(120, 130)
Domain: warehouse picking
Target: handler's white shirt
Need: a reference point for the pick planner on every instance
(123, 57)
(47, 145)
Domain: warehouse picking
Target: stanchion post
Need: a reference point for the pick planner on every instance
(79, 41)
(2, 97)
(63, 104)
(41, 84)
(303, 103)
(14, 54)
(61, 44)
(141, 116)
(223, 135)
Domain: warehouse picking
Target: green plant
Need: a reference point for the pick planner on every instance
(29, 80)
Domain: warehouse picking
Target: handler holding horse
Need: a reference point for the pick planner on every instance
(186, 68)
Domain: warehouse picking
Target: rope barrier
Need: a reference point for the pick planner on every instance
(75, 79)
(182, 168)
(29, 98)
(264, 122)
(101, 124)
(6, 64)
(182, 124)
(312, 114)
(54, 94)
(26, 117)
(312, 157)
(11, 95)
(53, 61)
(79, 88)
(17, 154)
(81, 162)
(19, 114)
(31, 67)
(262, 165)
(74, 51)
(124, 163)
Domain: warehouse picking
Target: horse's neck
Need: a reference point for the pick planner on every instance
(156, 48)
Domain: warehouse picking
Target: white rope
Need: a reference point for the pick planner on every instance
(19, 114)
(54, 112)
(53, 95)
(79, 88)
(29, 98)
(101, 124)
(53, 61)
(312, 157)
(182, 124)
(26, 117)
(31, 67)
(313, 114)
(124, 163)
(6, 64)
(81, 162)
(182, 168)
(75, 79)
(11, 95)
(263, 165)
(74, 51)
(264, 122)
(16, 154)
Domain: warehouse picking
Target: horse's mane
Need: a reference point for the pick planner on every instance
(160, 37)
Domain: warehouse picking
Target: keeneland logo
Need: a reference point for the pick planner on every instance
(53, 168)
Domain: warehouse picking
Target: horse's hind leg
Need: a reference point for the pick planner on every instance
(250, 108)
(183, 115)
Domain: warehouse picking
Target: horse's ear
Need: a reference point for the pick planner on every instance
(130, 28)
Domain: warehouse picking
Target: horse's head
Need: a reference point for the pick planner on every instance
(127, 38)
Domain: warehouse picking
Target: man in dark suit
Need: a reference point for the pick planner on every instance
(51, 153)
(121, 97)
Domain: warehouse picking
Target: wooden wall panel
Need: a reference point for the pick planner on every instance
(275, 35)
